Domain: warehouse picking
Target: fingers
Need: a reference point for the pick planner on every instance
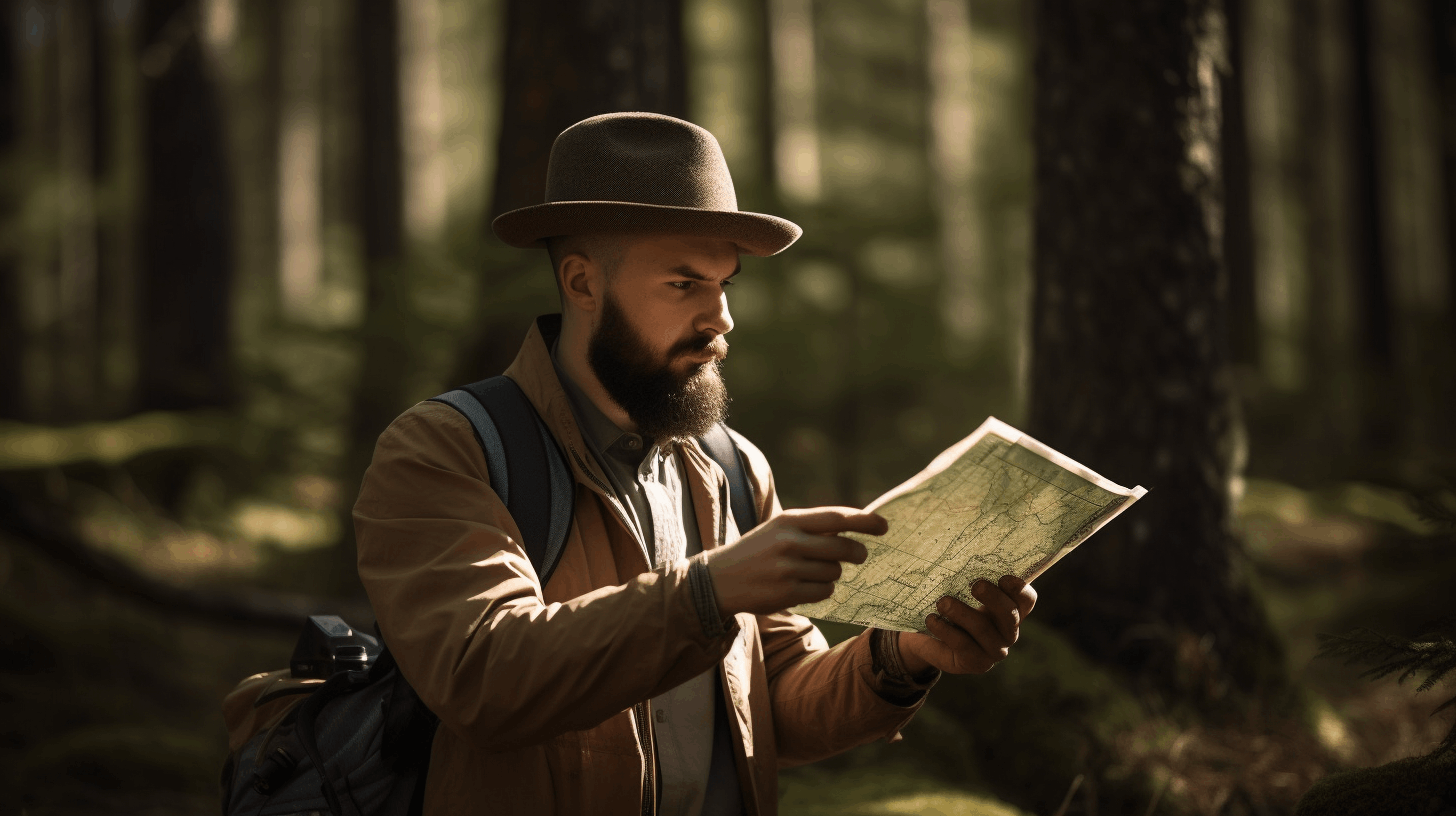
(813, 571)
(977, 624)
(835, 520)
(1020, 591)
(954, 650)
(1003, 610)
(823, 547)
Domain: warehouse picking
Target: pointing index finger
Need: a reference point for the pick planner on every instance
(834, 520)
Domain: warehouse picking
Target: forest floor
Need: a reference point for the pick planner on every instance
(113, 706)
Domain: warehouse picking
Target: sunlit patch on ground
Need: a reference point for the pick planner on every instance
(808, 792)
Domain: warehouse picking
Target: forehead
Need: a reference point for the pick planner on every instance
(667, 254)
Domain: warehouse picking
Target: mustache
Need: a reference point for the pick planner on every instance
(715, 343)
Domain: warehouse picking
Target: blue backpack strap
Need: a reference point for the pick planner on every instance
(527, 469)
(721, 448)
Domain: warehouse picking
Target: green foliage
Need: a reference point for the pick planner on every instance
(1432, 654)
(1022, 732)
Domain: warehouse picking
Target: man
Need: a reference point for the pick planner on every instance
(657, 670)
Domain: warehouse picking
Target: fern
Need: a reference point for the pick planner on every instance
(1432, 654)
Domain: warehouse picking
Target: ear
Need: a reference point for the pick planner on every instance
(582, 280)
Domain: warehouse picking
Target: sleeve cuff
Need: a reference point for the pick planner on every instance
(700, 581)
(891, 681)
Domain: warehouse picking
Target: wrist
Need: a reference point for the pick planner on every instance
(915, 665)
(709, 605)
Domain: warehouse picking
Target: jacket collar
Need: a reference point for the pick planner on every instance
(534, 372)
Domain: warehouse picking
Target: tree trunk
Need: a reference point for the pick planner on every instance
(116, 106)
(1130, 371)
(1443, 52)
(1326, 345)
(386, 346)
(1373, 307)
(1238, 236)
(186, 273)
(564, 62)
(12, 334)
(572, 59)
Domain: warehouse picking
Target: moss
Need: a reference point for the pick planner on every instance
(883, 791)
(1037, 721)
(1419, 786)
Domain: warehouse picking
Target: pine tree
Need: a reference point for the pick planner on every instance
(1432, 654)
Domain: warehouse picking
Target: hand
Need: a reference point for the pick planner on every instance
(966, 640)
(792, 558)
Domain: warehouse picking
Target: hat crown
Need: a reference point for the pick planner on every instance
(643, 158)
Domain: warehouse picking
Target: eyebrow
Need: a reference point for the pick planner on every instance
(688, 272)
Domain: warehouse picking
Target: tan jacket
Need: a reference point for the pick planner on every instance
(541, 692)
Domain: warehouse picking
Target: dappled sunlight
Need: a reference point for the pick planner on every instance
(882, 792)
(24, 445)
(288, 527)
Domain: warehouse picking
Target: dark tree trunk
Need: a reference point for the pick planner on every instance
(387, 348)
(185, 280)
(12, 335)
(1238, 235)
(1443, 51)
(568, 60)
(564, 62)
(1131, 369)
(1443, 31)
(1375, 330)
(1326, 345)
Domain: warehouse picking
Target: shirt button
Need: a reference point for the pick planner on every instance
(661, 716)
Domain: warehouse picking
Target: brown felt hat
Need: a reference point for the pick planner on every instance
(641, 172)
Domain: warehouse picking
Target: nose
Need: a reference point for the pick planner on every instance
(716, 319)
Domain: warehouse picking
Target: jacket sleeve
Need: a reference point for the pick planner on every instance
(461, 607)
(824, 700)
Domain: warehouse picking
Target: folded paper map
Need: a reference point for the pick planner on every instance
(996, 503)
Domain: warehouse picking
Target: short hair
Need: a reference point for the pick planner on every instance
(606, 249)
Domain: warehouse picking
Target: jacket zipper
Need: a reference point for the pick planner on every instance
(619, 515)
(644, 734)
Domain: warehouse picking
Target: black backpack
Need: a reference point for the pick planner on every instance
(363, 724)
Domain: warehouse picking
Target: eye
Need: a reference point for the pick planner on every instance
(683, 285)
(727, 283)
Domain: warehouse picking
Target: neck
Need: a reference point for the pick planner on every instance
(571, 356)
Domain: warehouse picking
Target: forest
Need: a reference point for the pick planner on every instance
(1205, 246)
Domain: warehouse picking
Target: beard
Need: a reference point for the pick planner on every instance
(664, 405)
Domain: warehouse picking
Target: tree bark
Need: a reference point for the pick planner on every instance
(1130, 370)
(569, 60)
(185, 281)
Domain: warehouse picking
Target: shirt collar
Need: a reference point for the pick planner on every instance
(601, 432)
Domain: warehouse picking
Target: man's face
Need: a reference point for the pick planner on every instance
(658, 338)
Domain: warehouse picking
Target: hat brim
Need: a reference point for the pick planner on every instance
(754, 233)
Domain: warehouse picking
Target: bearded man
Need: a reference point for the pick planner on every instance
(657, 671)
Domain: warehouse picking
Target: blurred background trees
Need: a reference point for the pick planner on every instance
(1206, 247)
